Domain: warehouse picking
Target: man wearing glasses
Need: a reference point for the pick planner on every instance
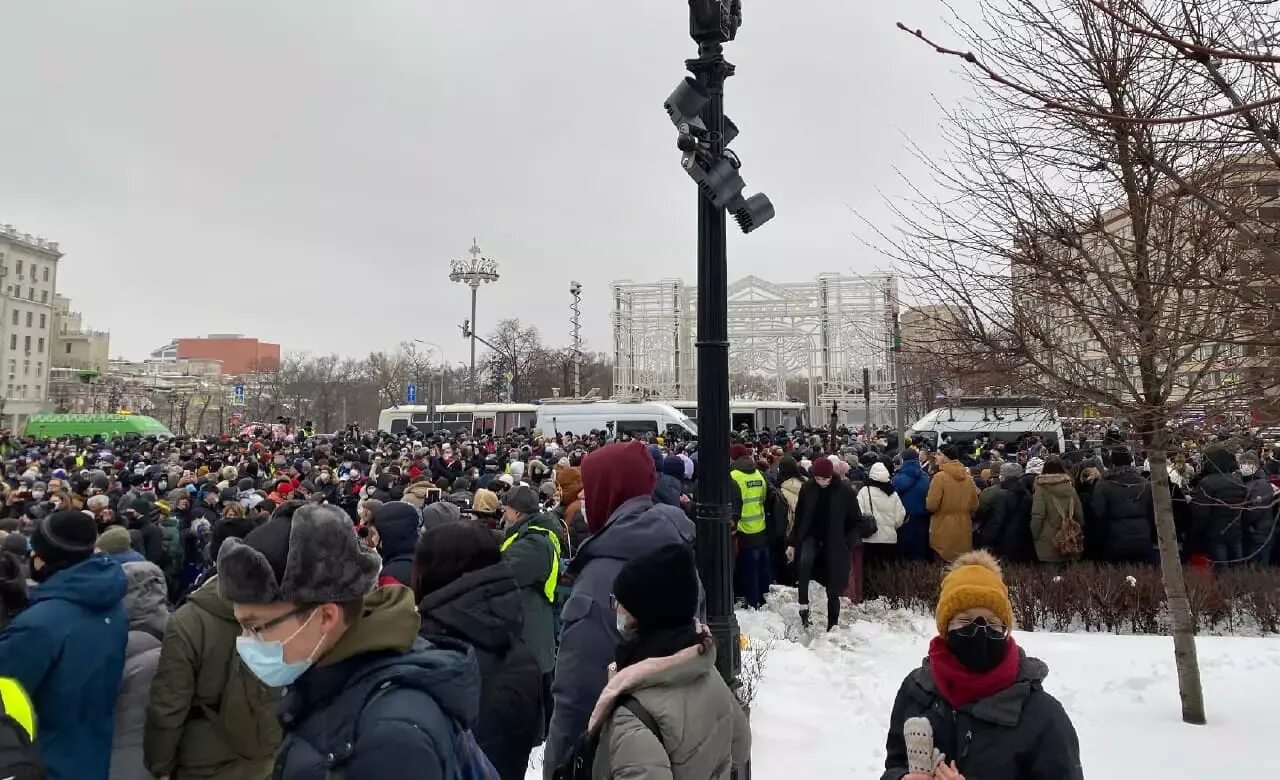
(364, 696)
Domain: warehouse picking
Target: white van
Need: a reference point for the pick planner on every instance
(967, 419)
(617, 417)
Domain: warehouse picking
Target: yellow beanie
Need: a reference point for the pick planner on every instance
(974, 580)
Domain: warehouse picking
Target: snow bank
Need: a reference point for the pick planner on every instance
(824, 702)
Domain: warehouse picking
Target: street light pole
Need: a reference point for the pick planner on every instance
(473, 272)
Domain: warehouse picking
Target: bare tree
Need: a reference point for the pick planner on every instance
(1078, 234)
(516, 352)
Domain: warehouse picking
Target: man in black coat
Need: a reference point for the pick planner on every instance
(1218, 499)
(147, 537)
(1122, 504)
(1003, 521)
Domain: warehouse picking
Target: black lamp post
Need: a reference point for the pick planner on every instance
(697, 110)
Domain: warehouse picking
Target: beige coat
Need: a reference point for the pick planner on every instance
(953, 498)
(704, 729)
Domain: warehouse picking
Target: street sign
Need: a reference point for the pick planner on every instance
(238, 395)
(411, 393)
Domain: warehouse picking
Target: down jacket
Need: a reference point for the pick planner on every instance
(1218, 499)
(1122, 503)
(953, 499)
(886, 508)
(181, 737)
(912, 485)
(1020, 733)
(144, 603)
(704, 731)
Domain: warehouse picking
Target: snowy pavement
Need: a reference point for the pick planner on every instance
(824, 700)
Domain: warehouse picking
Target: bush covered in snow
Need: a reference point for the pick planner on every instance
(1103, 597)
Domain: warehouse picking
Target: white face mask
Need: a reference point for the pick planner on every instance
(624, 623)
(1248, 470)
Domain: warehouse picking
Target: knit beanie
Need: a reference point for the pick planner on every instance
(64, 539)
(974, 580)
(115, 540)
(1010, 470)
(739, 451)
(823, 467)
(659, 589)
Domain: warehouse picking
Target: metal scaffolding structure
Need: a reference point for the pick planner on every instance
(826, 331)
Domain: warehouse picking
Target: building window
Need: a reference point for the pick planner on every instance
(40, 369)
(31, 293)
(31, 318)
(46, 273)
(44, 296)
(13, 341)
(68, 346)
(41, 347)
(26, 368)
(27, 344)
(16, 314)
(8, 393)
(13, 366)
(42, 321)
(18, 268)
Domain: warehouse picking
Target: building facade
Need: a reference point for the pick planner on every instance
(239, 355)
(75, 346)
(28, 280)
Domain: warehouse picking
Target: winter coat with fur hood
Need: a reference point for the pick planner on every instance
(1054, 501)
(704, 731)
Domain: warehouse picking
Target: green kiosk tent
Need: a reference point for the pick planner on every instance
(53, 426)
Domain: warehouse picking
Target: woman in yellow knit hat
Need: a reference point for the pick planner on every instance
(976, 706)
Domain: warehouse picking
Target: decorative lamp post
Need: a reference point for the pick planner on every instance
(473, 272)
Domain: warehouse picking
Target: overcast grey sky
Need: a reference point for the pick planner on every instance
(303, 170)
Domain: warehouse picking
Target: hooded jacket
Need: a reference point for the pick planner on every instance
(569, 480)
(397, 523)
(1020, 733)
(1260, 517)
(618, 480)
(482, 608)
(1004, 520)
(416, 494)
(1122, 503)
(704, 731)
(1053, 502)
(886, 508)
(144, 603)
(912, 486)
(533, 557)
(67, 652)
(427, 690)
(182, 738)
(1218, 499)
(953, 499)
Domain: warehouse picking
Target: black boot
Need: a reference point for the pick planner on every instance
(804, 616)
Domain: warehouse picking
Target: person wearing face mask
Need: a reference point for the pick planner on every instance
(365, 696)
(982, 695)
(1259, 519)
(67, 648)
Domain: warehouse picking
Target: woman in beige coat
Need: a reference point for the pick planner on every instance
(666, 714)
(953, 498)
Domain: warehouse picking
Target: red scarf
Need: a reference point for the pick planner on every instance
(958, 685)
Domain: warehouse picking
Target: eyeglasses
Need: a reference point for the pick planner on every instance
(256, 631)
(970, 628)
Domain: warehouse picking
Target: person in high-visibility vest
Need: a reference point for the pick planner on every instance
(531, 545)
(21, 757)
(754, 572)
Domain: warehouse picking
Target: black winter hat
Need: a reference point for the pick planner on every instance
(64, 539)
(659, 589)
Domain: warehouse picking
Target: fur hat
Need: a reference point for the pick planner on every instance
(310, 557)
(974, 580)
(485, 502)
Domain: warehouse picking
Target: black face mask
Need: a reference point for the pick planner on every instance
(978, 647)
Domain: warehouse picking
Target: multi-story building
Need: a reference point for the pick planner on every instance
(239, 355)
(28, 280)
(75, 346)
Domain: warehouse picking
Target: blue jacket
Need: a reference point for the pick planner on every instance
(912, 486)
(392, 708)
(67, 651)
(590, 638)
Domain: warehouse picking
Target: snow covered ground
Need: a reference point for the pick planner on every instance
(824, 700)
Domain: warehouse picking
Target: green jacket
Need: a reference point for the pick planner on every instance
(195, 659)
(533, 558)
(173, 562)
(704, 729)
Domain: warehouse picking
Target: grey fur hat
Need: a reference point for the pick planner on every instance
(310, 557)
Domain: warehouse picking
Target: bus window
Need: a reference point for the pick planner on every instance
(636, 427)
(399, 425)
(420, 417)
(744, 418)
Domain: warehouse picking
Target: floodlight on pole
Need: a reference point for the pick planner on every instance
(575, 330)
(474, 271)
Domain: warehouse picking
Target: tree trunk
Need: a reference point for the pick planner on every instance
(1175, 585)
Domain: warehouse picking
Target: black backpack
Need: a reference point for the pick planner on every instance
(578, 765)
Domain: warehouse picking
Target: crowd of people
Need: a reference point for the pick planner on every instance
(438, 604)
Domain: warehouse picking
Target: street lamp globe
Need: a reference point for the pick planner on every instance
(474, 270)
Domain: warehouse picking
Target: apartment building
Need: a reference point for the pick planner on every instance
(28, 280)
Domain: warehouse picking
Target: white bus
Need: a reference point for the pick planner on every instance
(967, 419)
(756, 415)
(636, 418)
(495, 419)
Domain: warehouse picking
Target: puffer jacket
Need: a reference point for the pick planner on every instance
(704, 731)
(1054, 501)
(1122, 503)
(888, 511)
(912, 485)
(953, 499)
(1260, 517)
(1020, 733)
(1218, 499)
(181, 737)
(144, 603)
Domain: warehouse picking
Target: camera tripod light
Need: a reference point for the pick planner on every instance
(685, 105)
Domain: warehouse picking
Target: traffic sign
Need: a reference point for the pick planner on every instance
(411, 393)
(238, 395)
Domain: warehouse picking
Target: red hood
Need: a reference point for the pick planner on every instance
(613, 475)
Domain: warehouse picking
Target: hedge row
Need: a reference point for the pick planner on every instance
(1103, 597)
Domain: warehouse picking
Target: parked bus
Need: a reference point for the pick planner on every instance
(495, 419)
(755, 415)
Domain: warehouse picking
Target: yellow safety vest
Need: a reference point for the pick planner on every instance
(553, 579)
(754, 490)
(18, 706)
